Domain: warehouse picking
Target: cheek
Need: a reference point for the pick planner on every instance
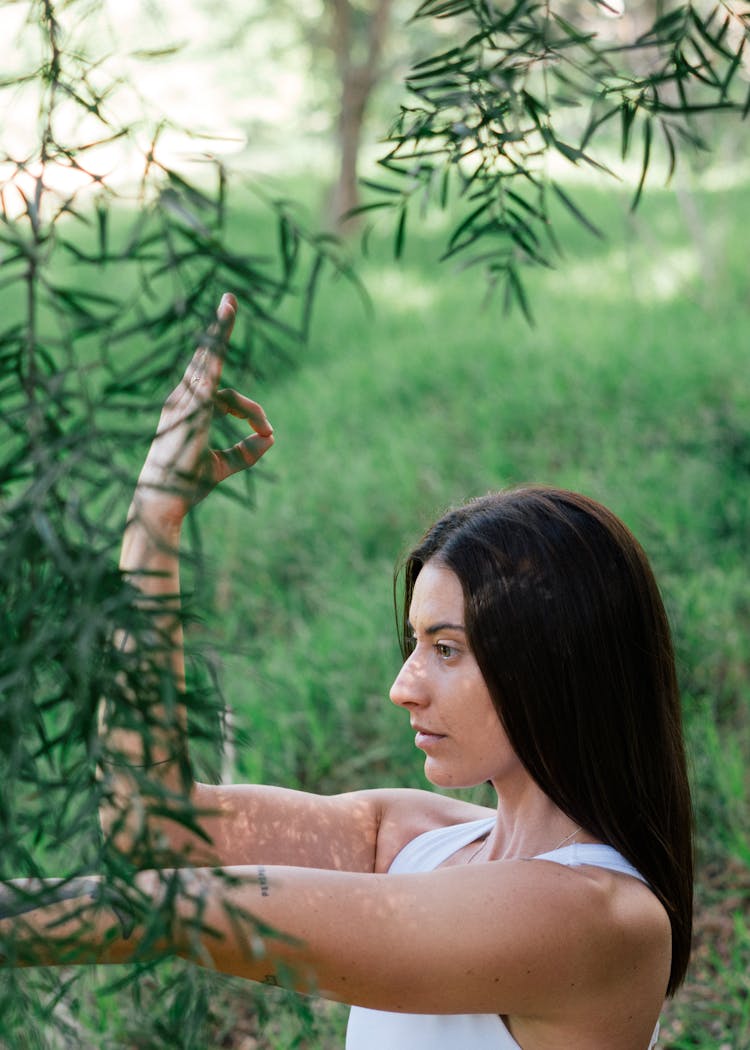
(492, 729)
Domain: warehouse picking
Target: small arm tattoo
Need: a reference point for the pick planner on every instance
(263, 882)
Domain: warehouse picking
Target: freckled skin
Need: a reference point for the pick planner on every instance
(441, 686)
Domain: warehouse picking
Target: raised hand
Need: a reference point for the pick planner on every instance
(180, 469)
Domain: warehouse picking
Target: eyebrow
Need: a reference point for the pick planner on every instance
(435, 628)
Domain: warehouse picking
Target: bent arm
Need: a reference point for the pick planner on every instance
(238, 824)
(180, 469)
(150, 798)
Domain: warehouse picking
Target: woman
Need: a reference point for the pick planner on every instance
(537, 658)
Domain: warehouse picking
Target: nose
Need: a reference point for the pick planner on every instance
(409, 687)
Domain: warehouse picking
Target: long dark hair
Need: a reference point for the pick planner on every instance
(566, 622)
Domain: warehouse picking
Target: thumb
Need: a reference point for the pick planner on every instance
(243, 455)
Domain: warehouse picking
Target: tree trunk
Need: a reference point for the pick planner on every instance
(357, 82)
(355, 94)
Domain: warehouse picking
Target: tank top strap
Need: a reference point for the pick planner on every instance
(596, 854)
(428, 850)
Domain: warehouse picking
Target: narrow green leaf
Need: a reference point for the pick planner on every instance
(695, 107)
(102, 216)
(468, 222)
(398, 244)
(517, 291)
(442, 57)
(576, 212)
(471, 237)
(442, 8)
(312, 283)
(381, 187)
(627, 116)
(445, 187)
(569, 152)
(595, 123)
(713, 41)
(288, 245)
(671, 149)
(517, 235)
(704, 71)
(160, 52)
(732, 69)
(667, 29)
(647, 132)
(539, 214)
(182, 187)
(362, 208)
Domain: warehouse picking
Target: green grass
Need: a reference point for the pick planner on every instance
(633, 387)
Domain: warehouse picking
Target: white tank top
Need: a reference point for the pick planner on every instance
(382, 1030)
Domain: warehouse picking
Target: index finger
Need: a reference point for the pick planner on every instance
(208, 359)
(226, 315)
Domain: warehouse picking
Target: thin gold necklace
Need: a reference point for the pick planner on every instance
(560, 844)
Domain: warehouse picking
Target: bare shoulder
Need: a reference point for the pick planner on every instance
(640, 922)
(619, 917)
(609, 937)
(574, 948)
(406, 813)
(633, 920)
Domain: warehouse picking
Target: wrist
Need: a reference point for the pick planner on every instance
(159, 515)
(152, 535)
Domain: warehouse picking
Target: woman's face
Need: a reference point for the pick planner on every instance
(442, 688)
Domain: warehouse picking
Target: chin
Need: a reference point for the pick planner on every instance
(447, 778)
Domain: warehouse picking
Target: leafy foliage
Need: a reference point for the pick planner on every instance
(533, 83)
(107, 284)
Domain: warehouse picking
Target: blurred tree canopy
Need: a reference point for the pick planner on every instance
(113, 258)
(351, 48)
(529, 88)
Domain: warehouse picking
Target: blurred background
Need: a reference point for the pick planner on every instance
(397, 385)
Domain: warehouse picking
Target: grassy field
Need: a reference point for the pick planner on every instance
(633, 387)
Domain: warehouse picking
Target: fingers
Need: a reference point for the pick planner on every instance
(204, 371)
(220, 333)
(241, 456)
(227, 313)
(235, 404)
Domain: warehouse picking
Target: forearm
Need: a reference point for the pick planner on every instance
(151, 750)
(149, 559)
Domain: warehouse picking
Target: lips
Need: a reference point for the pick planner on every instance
(424, 738)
